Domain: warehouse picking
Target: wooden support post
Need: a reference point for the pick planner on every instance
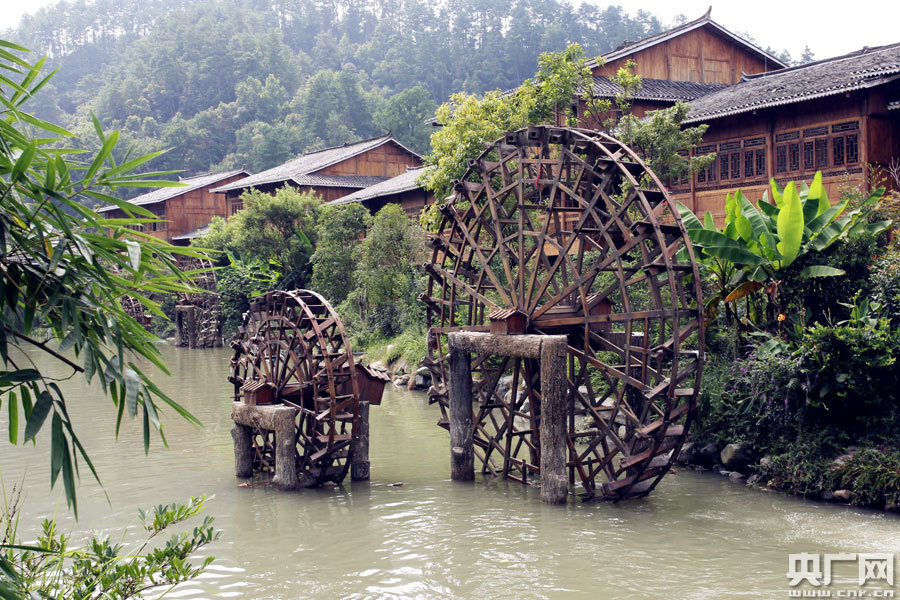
(554, 444)
(359, 448)
(462, 448)
(243, 450)
(279, 419)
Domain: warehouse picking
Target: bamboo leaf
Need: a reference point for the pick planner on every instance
(132, 385)
(38, 415)
(13, 409)
(58, 447)
(23, 162)
(134, 254)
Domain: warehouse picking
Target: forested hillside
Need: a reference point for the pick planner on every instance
(231, 83)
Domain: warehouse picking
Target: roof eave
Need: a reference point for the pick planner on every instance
(795, 100)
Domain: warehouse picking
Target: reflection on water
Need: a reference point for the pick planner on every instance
(697, 536)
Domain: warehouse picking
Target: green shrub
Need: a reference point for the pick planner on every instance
(852, 375)
(872, 475)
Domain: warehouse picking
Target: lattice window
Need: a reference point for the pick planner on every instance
(735, 165)
(847, 126)
(809, 158)
(815, 131)
(852, 149)
(787, 137)
(761, 161)
(729, 146)
(781, 159)
(757, 141)
(236, 205)
(821, 153)
(837, 147)
(794, 157)
(748, 164)
(723, 167)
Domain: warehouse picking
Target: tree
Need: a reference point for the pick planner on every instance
(339, 231)
(387, 271)
(405, 115)
(277, 230)
(64, 270)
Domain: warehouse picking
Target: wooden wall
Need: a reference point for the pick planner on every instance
(700, 55)
(833, 135)
(196, 208)
(387, 160)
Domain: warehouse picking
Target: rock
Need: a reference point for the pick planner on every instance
(400, 366)
(827, 495)
(423, 372)
(709, 454)
(843, 459)
(765, 461)
(723, 472)
(736, 476)
(842, 496)
(401, 380)
(378, 364)
(688, 453)
(753, 479)
(735, 456)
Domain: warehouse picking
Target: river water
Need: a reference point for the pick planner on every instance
(412, 533)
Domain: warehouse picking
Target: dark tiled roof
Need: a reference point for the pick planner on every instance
(309, 163)
(631, 47)
(662, 90)
(395, 185)
(344, 181)
(190, 184)
(199, 232)
(857, 70)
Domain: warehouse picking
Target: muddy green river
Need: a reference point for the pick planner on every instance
(697, 536)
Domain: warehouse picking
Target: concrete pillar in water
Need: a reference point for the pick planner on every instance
(243, 450)
(554, 446)
(279, 419)
(462, 448)
(359, 448)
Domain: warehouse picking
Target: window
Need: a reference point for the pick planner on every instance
(735, 165)
(837, 148)
(809, 160)
(821, 153)
(852, 149)
(723, 167)
(794, 156)
(748, 163)
(761, 161)
(781, 159)
(236, 205)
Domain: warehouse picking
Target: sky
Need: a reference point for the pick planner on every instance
(828, 27)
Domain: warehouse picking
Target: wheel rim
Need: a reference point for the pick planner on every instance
(573, 230)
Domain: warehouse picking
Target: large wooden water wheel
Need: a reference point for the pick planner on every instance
(566, 231)
(292, 347)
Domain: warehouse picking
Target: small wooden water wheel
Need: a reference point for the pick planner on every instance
(292, 347)
(198, 315)
(565, 231)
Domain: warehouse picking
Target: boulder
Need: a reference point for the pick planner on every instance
(753, 479)
(765, 461)
(842, 496)
(423, 372)
(828, 495)
(843, 459)
(735, 456)
(400, 366)
(401, 381)
(709, 454)
(688, 454)
(736, 476)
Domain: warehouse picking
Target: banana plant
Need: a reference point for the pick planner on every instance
(758, 241)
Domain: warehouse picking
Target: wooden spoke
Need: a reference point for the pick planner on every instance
(570, 228)
(294, 343)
